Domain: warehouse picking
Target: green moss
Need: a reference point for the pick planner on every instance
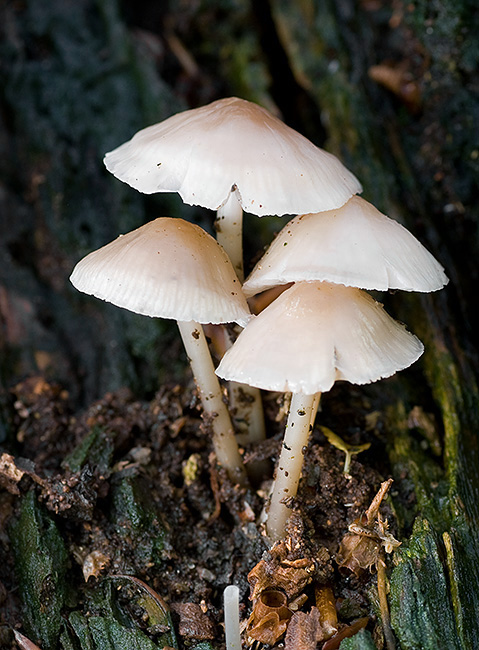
(360, 641)
(421, 609)
(96, 448)
(40, 565)
(135, 518)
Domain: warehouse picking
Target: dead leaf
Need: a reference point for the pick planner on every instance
(277, 571)
(304, 631)
(361, 547)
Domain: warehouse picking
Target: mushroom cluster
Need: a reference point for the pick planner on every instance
(230, 156)
(327, 327)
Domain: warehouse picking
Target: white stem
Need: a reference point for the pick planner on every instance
(232, 627)
(224, 441)
(247, 407)
(229, 232)
(248, 414)
(314, 410)
(290, 463)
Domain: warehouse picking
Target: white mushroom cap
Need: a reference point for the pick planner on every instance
(316, 333)
(355, 245)
(206, 152)
(168, 268)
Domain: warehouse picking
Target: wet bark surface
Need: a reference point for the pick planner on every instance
(107, 475)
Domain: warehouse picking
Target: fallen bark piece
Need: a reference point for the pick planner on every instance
(194, 623)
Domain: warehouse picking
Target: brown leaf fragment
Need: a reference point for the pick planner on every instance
(304, 631)
(400, 81)
(277, 571)
(93, 564)
(269, 630)
(372, 511)
(358, 552)
(194, 623)
(269, 618)
(361, 547)
(383, 605)
(10, 474)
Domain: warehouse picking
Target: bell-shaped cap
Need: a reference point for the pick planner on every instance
(168, 268)
(316, 333)
(355, 245)
(233, 145)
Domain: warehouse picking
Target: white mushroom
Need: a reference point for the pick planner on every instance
(170, 268)
(233, 155)
(314, 334)
(354, 245)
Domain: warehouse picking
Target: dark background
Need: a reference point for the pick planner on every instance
(78, 78)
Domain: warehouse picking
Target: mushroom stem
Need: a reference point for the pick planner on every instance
(229, 231)
(314, 410)
(247, 408)
(288, 471)
(249, 412)
(224, 441)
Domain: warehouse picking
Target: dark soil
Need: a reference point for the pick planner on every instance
(134, 490)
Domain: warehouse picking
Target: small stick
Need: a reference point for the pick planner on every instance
(383, 604)
(326, 604)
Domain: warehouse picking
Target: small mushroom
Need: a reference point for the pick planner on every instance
(170, 268)
(314, 334)
(231, 615)
(229, 156)
(355, 245)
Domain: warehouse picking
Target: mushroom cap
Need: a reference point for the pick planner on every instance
(168, 268)
(316, 333)
(233, 145)
(355, 245)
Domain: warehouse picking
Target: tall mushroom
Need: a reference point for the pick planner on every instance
(170, 268)
(229, 156)
(314, 334)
